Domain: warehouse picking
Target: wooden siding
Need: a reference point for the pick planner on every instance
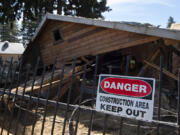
(80, 40)
(8, 56)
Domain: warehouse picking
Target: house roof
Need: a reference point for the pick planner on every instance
(11, 48)
(175, 26)
(124, 26)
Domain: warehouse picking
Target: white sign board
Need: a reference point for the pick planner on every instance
(131, 97)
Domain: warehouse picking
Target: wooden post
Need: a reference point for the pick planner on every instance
(170, 60)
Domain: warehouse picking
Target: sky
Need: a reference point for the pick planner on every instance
(155, 12)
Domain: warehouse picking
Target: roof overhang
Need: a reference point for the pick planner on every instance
(140, 29)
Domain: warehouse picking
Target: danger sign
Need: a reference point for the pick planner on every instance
(126, 96)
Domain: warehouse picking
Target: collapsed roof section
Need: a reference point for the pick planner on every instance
(124, 26)
(66, 37)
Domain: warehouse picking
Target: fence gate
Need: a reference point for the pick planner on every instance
(46, 100)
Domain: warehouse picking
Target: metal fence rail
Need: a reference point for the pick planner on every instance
(18, 104)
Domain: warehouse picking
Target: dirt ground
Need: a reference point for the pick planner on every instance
(82, 127)
(113, 124)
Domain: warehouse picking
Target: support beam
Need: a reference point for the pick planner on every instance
(169, 74)
(151, 60)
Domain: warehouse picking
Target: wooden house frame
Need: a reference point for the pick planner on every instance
(66, 37)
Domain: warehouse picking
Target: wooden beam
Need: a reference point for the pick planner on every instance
(86, 60)
(176, 51)
(151, 60)
(169, 74)
(118, 45)
(46, 83)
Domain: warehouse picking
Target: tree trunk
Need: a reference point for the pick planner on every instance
(59, 7)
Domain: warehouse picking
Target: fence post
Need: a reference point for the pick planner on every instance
(37, 103)
(126, 73)
(58, 98)
(69, 95)
(93, 95)
(47, 96)
(80, 98)
(22, 98)
(15, 96)
(178, 120)
(31, 93)
(5, 87)
(139, 122)
(160, 87)
(106, 115)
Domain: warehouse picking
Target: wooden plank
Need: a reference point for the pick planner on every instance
(176, 51)
(97, 49)
(155, 55)
(88, 49)
(117, 46)
(90, 40)
(87, 61)
(169, 74)
(103, 43)
(151, 60)
(69, 36)
(81, 36)
(65, 46)
(74, 29)
(72, 49)
(110, 38)
(68, 26)
(55, 83)
(127, 43)
(170, 42)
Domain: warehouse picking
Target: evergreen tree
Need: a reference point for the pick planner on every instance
(28, 28)
(88, 8)
(33, 10)
(10, 10)
(170, 21)
(9, 32)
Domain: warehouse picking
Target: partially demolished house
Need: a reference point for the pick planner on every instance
(66, 37)
(121, 48)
